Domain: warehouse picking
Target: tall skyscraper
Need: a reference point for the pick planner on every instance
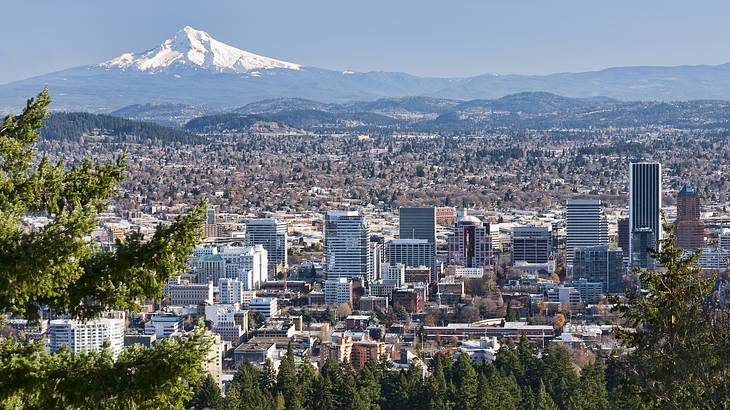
(645, 202)
(470, 245)
(346, 245)
(623, 237)
(690, 229)
(271, 234)
(420, 223)
(585, 226)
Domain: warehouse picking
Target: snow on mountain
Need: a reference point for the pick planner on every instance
(195, 49)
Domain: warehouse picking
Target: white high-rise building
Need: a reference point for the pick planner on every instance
(393, 272)
(231, 291)
(347, 245)
(87, 336)
(164, 325)
(645, 201)
(266, 306)
(249, 264)
(585, 226)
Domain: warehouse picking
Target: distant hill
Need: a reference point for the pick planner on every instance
(537, 110)
(74, 125)
(174, 73)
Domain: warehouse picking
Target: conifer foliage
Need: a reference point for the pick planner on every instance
(55, 268)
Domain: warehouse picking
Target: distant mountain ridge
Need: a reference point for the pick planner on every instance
(193, 68)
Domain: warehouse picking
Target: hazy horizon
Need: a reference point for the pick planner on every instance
(419, 38)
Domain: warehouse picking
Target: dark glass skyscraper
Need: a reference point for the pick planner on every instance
(645, 200)
(419, 223)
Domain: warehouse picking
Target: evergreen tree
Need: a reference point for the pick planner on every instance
(286, 381)
(307, 379)
(591, 392)
(559, 375)
(207, 395)
(681, 342)
(267, 381)
(368, 386)
(244, 392)
(465, 381)
(56, 268)
(543, 401)
(437, 388)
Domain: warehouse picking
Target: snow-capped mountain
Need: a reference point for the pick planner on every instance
(191, 48)
(193, 68)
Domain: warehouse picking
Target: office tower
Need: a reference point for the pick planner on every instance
(585, 226)
(211, 216)
(231, 291)
(470, 245)
(394, 272)
(164, 325)
(623, 237)
(266, 306)
(376, 257)
(411, 252)
(419, 223)
(87, 336)
(271, 234)
(337, 291)
(600, 264)
(531, 244)
(690, 229)
(346, 245)
(249, 264)
(642, 240)
(645, 201)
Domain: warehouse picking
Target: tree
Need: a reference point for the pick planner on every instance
(286, 381)
(343, 310)
(466, 383)
(207, 395)
(56, 268)
(307, 379)
(682, 338)
(591, 392)
(543, 401)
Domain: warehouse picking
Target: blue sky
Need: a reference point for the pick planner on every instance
(433, 38)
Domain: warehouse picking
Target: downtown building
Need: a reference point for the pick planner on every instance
(87, 336)
(347, 245)
(585, 226)
(249, 264)
(470, 244)
(413, 253)
(690, 229)
(645, 203)
(271, 234)
(531, 244)
(599, 264)
(419, 223)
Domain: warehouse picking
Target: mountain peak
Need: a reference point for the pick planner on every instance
(195, 49)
